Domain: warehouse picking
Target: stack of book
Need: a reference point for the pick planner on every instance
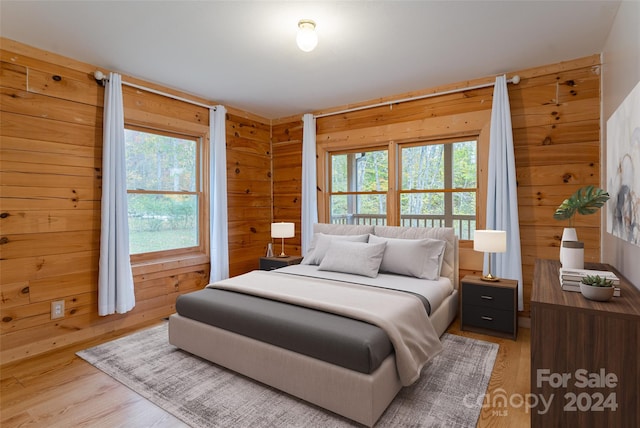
(570, 278)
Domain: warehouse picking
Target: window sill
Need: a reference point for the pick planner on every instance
(168, 263)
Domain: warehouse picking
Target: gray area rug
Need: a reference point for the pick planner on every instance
(448, 394)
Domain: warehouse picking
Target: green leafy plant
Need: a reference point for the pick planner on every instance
(597, 281)
(586, 200)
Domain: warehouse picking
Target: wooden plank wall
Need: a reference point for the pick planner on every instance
(286, 140)
(50, 172)
(248, 189)
(556, 120)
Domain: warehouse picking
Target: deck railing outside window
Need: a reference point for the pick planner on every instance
(463, 225)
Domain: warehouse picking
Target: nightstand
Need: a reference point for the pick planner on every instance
(271, 263)
(489, 307)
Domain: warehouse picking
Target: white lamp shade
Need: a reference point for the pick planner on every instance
(490, 241)
(283, 230)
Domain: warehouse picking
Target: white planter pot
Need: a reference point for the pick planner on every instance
(601, 294)
(568, 234)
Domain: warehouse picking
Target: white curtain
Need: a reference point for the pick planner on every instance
(309, 185)
(502, 198)
(115, 280)
(218, 203)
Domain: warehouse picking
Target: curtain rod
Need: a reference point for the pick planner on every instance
(515, 80)
(101, 78)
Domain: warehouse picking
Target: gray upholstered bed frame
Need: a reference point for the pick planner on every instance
(357, 396)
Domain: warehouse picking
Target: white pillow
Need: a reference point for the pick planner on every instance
(357, 258)
(421, 258)
(320, 244)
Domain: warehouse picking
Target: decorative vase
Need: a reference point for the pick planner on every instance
(269, 249)
(568, 234)
(572, 256)
(600, 294)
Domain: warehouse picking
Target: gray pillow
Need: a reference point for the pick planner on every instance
(449, 263)
(357, 258)
(421, 258)
(320, 244)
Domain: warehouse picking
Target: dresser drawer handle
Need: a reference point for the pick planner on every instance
(487, 318)
(486, 297)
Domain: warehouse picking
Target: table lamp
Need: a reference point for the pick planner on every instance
(490, 241)
(282, 230)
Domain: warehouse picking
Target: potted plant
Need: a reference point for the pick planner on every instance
(596, 287)
(586, 200)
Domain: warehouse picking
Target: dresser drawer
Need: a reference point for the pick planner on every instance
(488, 296)
(488, 318)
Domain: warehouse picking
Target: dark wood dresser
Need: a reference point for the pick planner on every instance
(585, 355)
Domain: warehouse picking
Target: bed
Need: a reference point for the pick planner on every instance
(344, 330)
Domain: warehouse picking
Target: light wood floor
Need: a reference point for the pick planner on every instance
(510, 381)
(62, 390)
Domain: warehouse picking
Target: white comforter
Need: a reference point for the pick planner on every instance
(401, 315)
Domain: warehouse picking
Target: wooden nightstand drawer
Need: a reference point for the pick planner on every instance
(488, 318)
(489, 307)
(271, 263)
(482, 295)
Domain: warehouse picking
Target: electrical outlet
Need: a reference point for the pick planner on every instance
(57, 309)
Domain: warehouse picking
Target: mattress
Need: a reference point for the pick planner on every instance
(347, 342)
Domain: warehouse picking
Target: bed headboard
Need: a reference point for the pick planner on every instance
(343, 229)
(450, 262)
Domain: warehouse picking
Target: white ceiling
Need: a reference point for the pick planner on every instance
(243, 53)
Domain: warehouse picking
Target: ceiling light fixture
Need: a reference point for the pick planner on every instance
(307, 39)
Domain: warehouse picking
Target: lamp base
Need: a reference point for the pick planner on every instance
(282, 254)
(490, 278)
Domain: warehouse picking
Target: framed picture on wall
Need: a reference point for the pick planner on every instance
(623, 169)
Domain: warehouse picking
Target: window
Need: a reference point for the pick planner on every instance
(359, 186)
(164, 191)
(436, 182)
(438, 186)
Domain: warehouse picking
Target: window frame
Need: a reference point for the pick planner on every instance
(200, 192)
(325, 151)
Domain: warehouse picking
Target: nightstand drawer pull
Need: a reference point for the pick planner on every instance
(487, 318)
(486, 297)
